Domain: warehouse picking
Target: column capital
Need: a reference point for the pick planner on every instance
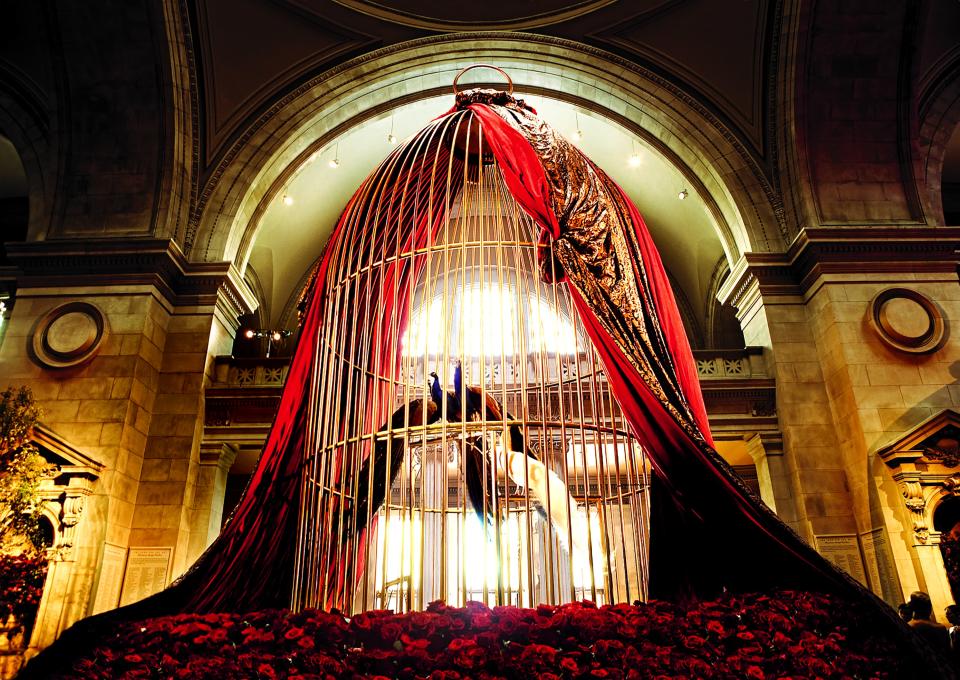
(818, 253)
(219, 454)
(93, 262)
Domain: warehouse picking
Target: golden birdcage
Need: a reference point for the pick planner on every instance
(463, 443)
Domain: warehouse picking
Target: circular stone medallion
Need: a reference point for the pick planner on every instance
(68, 335)
(907, 321)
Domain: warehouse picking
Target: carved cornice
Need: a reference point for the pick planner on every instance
(110, 262)
(841, 250)
(934, 441)
(521, 44)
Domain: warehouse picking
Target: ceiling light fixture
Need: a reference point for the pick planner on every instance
(287, 199)
(683, 194)
(634, 160)
(335, 161)
(576, 135)
(391, 138)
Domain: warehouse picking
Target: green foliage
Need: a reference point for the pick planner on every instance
(22, 469)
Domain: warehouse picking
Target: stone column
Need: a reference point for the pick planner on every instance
(766, 450)
(115, 337)
(857, 365)
(215, 462)
(813, 498)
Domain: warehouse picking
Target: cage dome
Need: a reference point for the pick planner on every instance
(464, 443)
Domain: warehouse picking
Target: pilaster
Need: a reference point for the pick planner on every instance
(847, 317)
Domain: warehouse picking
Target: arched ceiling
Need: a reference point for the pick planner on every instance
(13, 179)
(291, 237)
(251, 51)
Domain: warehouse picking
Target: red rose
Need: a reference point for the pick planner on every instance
(570, 665)
(716, 628)
(755, 673)
(693, 642)
(293, 633)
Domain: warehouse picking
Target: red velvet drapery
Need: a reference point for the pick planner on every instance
(707, 531)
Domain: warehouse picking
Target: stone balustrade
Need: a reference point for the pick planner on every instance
(745, 363)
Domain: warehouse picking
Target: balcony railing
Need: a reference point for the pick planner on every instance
(746, 363)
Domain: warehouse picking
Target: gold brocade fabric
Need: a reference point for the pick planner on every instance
(598, 251)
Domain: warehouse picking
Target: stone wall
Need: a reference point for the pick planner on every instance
(845, 388)
(117, 341)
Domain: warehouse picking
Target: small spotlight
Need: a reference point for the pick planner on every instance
(576, 136)
(275, 336)
(287, 199)
(249, 334)
(391, 138)
(634, 161)
(334, 163)
(683, 194)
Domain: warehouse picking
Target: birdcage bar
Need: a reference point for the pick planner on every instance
(388, 298)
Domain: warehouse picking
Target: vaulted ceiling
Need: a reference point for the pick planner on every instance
(252, 50)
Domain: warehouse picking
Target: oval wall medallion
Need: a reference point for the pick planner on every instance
(68, 335)
(907, 321)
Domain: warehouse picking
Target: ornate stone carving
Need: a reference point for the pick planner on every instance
(68, 335)
(916, 504)
(952, 484)
(945, 449)
(907, 321)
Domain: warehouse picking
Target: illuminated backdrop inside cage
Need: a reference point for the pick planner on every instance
(437, 266)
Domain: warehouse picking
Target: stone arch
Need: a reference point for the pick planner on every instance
(939, 117)
(25, 121)
(718, 165)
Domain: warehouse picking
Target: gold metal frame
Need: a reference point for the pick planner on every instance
(554, 388)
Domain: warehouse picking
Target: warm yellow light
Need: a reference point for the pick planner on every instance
(634, 161)
(683, 194)
(334, 163)
(249, 334)
(483, 320)
(391, 138)
(576, 136)
(287, 199)
(275, 336)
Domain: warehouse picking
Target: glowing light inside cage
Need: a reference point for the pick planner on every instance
(482, 320)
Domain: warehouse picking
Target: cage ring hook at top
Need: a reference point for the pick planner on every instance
(491, 66)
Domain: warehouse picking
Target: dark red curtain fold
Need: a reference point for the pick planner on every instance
(708, 532)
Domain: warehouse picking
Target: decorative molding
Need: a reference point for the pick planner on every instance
(841, 250)
(920, 462)
(927, 341)
(739, 145)
(68, 335)
(408, 17)
(64, 493)
(69, 263)
(934, 441)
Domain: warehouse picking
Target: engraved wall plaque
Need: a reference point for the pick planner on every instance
(111, 578)
(880, 565)
(844, 551)
(146, 573)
